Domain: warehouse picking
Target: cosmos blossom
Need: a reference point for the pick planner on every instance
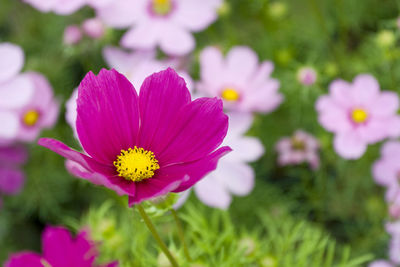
(307, 76)
(164, 23)
(300, 148)
(16, 89)
(61, 7)
(60, 249)
(234, 175)
(148, 145)
(358, 114)
(243, 83)
(11, 176)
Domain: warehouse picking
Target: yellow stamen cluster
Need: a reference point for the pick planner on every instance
(230, 94)
(136, 164)
(31, 117)
(298, 144)
(162, 7)
(359, 115)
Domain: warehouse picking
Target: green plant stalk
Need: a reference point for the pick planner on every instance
(181, 235)
(156, 236)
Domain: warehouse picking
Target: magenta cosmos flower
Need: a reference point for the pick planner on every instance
(164, 23)
(358, 114)
(239, 80)
(234, 175)
(148, 145)
(60, 249)
(300, 148)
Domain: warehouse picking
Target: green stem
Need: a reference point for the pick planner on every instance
(181, 235)
(156, 236)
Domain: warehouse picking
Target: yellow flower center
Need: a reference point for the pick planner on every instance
(162, 7)
(31, 117)
(136, 164)
(359, 115)
(297, 144)
(230, 94)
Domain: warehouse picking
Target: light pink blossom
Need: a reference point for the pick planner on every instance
(234, 175)
(72, 35)
(394, 247)
(358, 114)
(243, 83)
(307, 76)
(381, 263)
(61, 7)
(164, 23)
(94, 28)
(300, 148)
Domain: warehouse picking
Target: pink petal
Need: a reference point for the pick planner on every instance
(120, 13)
(66, 7)
(340, 91)
(175, 40)
(239, 123)
(246, 149)
(365, 89)
(12, 61)
(263, 73)
(264, 98)
(241, 63)
(237, 177)
(380, 263)
(196, 170)
(10, 125)
(16, 92)
(349, 146)
(385, 171)
(11, 180)
(387, 103)
(391, 149)
(332, 116)
(162, 97)
(195, 15)
(24, 259)
(199, 130)
(108, 115)
(211, 65)
(89, 169)
(143, 36)
(212, 193)
(183, 196)
(54, 238)
(13, 154)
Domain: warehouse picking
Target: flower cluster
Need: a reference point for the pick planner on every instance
(27, 106)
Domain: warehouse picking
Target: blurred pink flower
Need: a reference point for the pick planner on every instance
(16, 89)
(300, 148)
(239, 80)
(61, 7)
(138, 65)
(145, 145)
(60, 249)
(94, 28)
(394, 247)
(307, 76)
(167, 23)
(233, 176)
(381, 263)
(72, 35)
(40, 112)
(358, 114)
(11, 176)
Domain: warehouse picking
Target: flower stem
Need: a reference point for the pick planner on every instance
(156, 236)
(181, 235)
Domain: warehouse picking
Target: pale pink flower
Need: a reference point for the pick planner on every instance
(358, 114)
(61, 7)
(16, 89)
(243, 83)
(307, 76)
(394, 247)
(11, 176)
(40, 112)
(300, 148)
(164, 23)
(138, 65)
(381, 263)
(72, 35)
(234, 175)
(94, 28)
